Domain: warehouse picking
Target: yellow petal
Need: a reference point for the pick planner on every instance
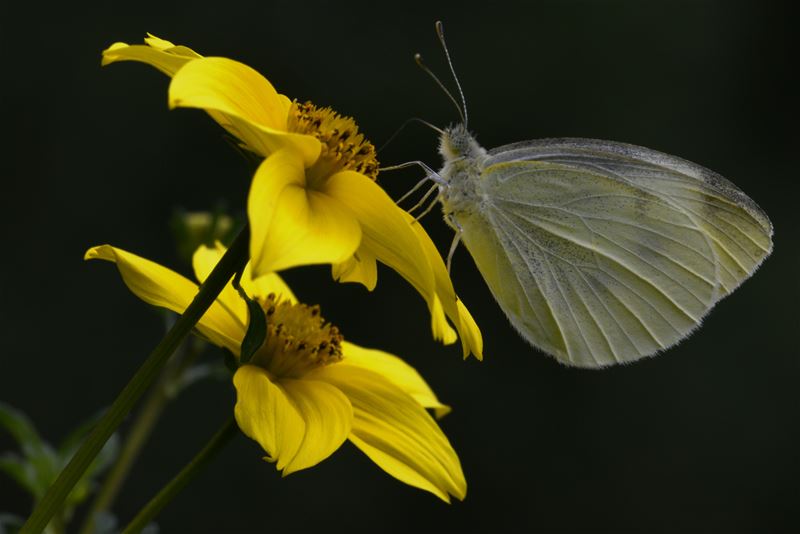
(165, 288)
(158, 53)
(291, 225)
(387, 233)
(204, 260)
(441, 328)
(397, 433)
(360, 268)
(254, 111)
(471, 339)
(230, 87)
(162, 44)
(265, 414)
(266, 284)
(397, 372)
(328, 417)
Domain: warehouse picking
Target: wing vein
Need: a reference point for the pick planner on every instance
(667, 297)
(569, 306)
(527, 296)
(614, 317)
(613, 259)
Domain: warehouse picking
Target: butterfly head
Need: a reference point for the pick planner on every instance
(457, 143)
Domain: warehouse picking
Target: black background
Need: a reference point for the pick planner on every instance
(704, 437)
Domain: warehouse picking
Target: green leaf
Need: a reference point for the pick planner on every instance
(86, 484)
(46, 464)
(40, 463)
(196, 373)
(10, 524)
(256, 328)
(19, 426)
(21, 471)
(34, 474)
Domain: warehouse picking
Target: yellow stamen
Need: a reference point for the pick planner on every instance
(343, 147)
(298, 339)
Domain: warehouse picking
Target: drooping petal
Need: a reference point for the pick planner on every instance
(360, 268)
(291, 225)
(328, 418)
(471, 338)
(265, 414)
(396, 371)
(396, 432)
(256, 113)
(158, 53)
(388, 236)
(165, 288)
(441, 328)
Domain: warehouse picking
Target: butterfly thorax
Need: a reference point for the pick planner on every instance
(463, 163)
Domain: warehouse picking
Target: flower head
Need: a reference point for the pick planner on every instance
(307, 390)
(314, 198)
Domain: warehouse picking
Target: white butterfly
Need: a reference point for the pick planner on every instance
(598, 252)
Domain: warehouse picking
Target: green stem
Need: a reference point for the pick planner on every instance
(168, 492)
(233, 260)
(140, 430)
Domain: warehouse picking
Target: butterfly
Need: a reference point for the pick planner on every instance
(598, 252)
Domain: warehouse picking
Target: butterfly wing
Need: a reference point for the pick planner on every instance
(602, 252)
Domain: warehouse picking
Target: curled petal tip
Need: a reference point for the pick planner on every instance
(100, 252)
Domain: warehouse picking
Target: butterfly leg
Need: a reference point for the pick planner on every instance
(431, 174)
(412, 190)
(424, 198)
(430, 205)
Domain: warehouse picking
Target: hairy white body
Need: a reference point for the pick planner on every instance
(599, 252)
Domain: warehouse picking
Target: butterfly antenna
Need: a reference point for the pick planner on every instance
(440, 33)
(429, 72)
(402, 127)
(429, 125)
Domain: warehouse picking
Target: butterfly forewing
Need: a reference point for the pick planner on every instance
(602, 252)
(739, 230)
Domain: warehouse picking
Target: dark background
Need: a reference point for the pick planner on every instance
(704, 437)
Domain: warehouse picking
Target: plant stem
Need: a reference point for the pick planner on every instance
(233, 260)
(140, 431)
(168, 492)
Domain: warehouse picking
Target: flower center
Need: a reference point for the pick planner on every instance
(298, 339)
(343, 147)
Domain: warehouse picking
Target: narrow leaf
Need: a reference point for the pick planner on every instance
(256, 328)
(19, 426)
(196, 373)
(18, 469)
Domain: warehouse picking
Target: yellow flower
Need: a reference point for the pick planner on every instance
(306, 390)
(313, 199)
